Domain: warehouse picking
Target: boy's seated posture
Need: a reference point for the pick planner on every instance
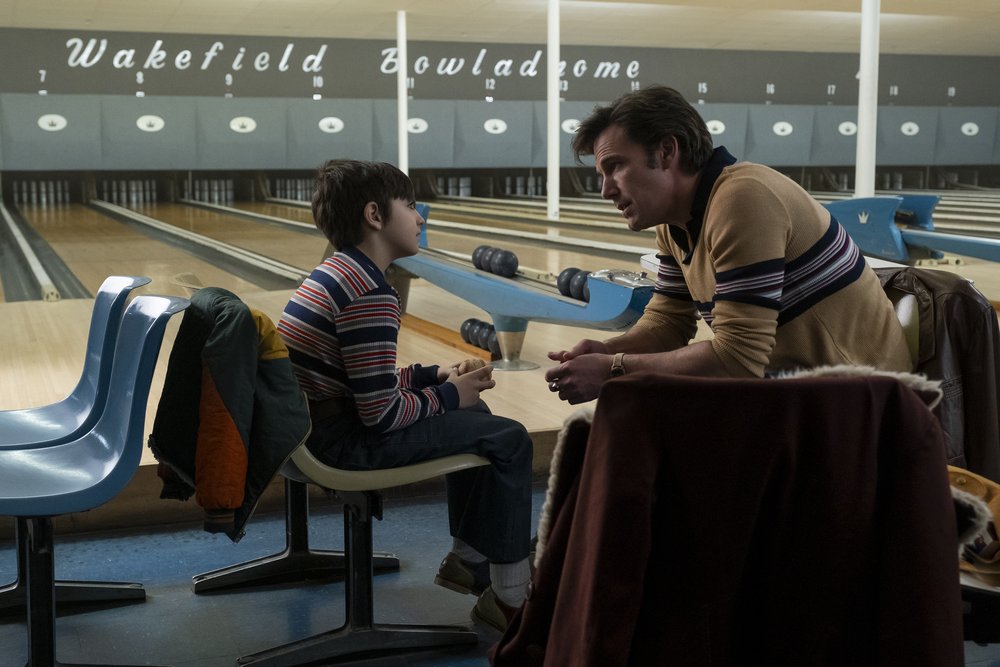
(341, 328)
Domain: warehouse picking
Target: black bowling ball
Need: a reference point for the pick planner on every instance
(474, 332)
(577, 284)
(487, 257)
(484, 336)
(493, 344)
(466, 326)
(504, 263)
(565, 278)
(477, 256)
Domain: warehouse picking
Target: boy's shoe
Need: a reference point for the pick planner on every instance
(462, 576)
(492, 611)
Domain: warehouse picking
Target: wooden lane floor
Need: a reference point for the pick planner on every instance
(95, 246)
(302, 249)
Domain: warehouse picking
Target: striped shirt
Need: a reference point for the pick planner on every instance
(341, 327)
(778, 280)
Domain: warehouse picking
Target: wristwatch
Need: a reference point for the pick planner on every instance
(617, 365)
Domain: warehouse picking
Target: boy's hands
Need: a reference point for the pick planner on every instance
(471, 383)
(460, 368)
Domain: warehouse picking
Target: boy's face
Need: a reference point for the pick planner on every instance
(402, 228)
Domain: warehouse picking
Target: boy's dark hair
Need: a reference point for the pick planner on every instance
(344, 188)
(648, 117)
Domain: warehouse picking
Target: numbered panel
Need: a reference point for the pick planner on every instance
(50, 132)
(835, 137)
(430, 128)
(570, 114)
(148, 133)
(241, 133)
(321, 130)
(728, 124)
(965, 135)
(906, 135)
(780, 135)
(492, 134)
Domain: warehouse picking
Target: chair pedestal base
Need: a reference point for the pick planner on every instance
(14, 596)
(41, 600)
(360, 635)
(296, 563)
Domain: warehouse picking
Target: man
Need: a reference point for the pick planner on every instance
(771, 272)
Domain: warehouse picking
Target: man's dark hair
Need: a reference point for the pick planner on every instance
(344, 188)
(648, 117)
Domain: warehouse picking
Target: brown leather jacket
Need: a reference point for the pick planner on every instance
(960, 346)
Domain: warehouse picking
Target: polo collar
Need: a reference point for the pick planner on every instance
(721, 158)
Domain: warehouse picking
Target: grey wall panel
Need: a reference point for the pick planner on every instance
(780, 135)
(431, 133)
(148, 133)
(965, 135)
(906, 135)
(568, 113)
(492, 134)
(835, 137)
(321, 130)
(222, 147)
(77, 145)
(728, 124)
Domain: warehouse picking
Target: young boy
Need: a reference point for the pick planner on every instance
(341, 328)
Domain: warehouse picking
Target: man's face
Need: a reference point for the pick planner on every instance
(644, 193)
(402, 227)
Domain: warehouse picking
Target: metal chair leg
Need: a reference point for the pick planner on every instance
(295, 563)
(14, 595)
(360, 635)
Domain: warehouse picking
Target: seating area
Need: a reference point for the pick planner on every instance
(318, 600)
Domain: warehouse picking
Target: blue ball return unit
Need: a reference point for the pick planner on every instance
(901, 229)
(617, 298)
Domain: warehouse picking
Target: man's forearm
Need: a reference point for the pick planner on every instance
(635, 341)
(695, 359)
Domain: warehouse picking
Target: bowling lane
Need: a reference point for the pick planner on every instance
(302, 250)
(539, 257)
(95, 246)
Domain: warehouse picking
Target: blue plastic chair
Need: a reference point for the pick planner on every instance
(79, 411)
(38, 483)
(66, 420)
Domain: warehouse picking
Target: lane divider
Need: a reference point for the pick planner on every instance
(249, 257)
(49, 291)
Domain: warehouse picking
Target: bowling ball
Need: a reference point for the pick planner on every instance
(565, 278)
(493, 344)
(466, 326)
(477, 256)
(586, 291)
(487, 257)
(474, 332)
(484, 336)
(577, 284)
(504, 263)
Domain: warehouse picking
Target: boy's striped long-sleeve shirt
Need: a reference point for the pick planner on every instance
(341, 327)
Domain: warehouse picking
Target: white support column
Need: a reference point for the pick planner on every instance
(552, 118)
(864, 167)
(402, 106)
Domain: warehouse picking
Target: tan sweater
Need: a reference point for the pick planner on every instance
(779, 285)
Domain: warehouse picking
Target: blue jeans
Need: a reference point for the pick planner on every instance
(489, 507)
